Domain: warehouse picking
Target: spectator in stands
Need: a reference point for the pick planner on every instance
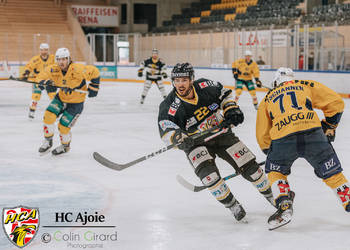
(311, 61)
(301, 62)
(260, 61)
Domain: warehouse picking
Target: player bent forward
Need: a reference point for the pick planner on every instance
(68, 104)
(287, 128)
(194, 106)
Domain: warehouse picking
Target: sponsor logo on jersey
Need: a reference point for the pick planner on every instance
(213, 106)
(174, 106)
(20, 224)
(164, 124)
(199, 155)
(203, 85)
(293, 118)
(190, 122)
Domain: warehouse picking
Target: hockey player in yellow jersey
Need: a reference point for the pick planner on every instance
(32, 69)
(68, 104)
(244, 70)
(287, 128)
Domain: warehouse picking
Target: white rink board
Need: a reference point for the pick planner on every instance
(148, 207)
(337, 81)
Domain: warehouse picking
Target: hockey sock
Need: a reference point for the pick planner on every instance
(279, 185)
(341, 188)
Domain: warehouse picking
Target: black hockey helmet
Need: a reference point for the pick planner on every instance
(182, 70)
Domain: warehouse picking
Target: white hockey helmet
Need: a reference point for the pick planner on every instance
(44, 46)
(155, 51)
(248, 53)
(62, 53)
(283, 75)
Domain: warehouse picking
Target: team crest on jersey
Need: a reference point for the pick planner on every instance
(21, 224)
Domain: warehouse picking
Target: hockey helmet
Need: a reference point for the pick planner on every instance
(182, 70)
(154, 51)
(248, 53)
(283, 75)
(62, 53)
(44, 46)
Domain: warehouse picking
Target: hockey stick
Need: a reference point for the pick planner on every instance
(195, 188)
(22, 80)
(115, 166)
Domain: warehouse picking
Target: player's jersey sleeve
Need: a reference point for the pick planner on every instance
(92, 75)
(255, 70)
(235, 67)
(166, 123)
(142, 66)
(31, 64)
(263, 127)
(327, 100)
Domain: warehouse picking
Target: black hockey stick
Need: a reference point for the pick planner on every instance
(195, 188)
(115, 166)
(26, 81)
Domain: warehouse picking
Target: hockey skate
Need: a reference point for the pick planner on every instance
(284, 213)
(47, 144)
(31, 114)
(142, 99)
(63, 148)
(238, 211)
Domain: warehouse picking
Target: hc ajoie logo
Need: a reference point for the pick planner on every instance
(84, 218)
(20, 224)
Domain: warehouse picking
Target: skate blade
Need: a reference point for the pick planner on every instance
(45, 153)
(243, 221)
(273, 227)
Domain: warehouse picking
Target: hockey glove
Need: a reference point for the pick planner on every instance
(139, 74)
(164, 75)
(258, 83)
(67, 90)
(92, 93)
(25, 75)
(233, 116)
(51, 88)
(42, 84)
(182, 141)
(235, 76)
(328, 130)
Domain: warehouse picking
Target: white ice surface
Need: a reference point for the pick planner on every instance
(148, 207)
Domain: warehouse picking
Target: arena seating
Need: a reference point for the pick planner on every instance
(25, 24)
(328, 14)
(232, 13)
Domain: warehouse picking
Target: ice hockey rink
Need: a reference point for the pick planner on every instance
(148, 207)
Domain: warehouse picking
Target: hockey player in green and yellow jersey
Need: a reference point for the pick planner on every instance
(244, 70)
(71, 78)
(32, 69)
(287, 128)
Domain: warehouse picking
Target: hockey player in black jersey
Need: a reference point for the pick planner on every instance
(155, 71)
(195, 106)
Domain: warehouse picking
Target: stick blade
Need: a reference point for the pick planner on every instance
(107, 163)
(188, 185)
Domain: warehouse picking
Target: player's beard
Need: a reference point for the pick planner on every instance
(186, 92)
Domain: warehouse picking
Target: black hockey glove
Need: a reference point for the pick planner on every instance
(258, 83)
(139, 74)
(67, 90)
(51, 88)
(25, 75)
(42, 84)
(328, 130)
(92, 93)
(164, 75)
(233, 116)
(182, 141)
(235, 76)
